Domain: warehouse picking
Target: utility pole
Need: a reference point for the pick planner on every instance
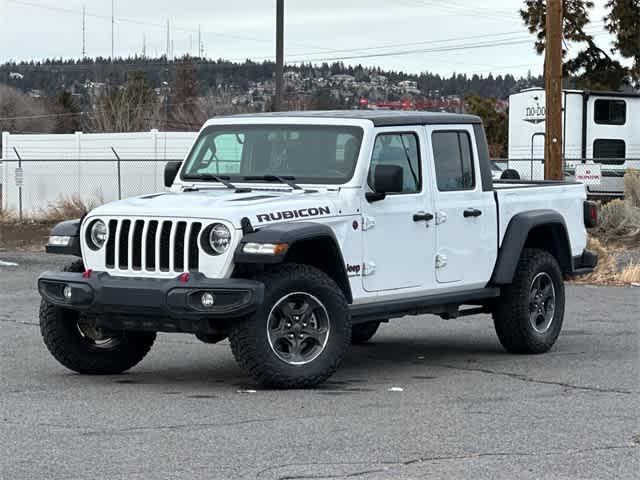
(84, 31)
(277, 98)
(553, 168)
(113, 23)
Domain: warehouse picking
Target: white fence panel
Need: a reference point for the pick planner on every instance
(81, 165)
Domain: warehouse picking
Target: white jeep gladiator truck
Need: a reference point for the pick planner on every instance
(297, 234)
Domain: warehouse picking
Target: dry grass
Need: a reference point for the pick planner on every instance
(608, 271)
(630, 274)
(66, 208)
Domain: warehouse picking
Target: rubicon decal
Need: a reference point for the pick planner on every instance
(290, 214)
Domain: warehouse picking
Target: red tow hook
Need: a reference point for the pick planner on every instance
(87, 273)
(184, 277)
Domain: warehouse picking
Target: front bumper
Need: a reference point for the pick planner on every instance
(169, 305)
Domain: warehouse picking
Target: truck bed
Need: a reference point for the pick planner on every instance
(566, 198)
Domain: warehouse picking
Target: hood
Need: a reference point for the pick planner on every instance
(260, 206)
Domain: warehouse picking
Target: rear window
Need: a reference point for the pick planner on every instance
(453, 160)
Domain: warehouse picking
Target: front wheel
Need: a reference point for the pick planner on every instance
(84, 348)
(529, 313)
(299, 336)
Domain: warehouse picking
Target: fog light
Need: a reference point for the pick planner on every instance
(207, 300)
(66, 292)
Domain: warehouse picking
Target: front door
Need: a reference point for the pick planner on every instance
(398, 248)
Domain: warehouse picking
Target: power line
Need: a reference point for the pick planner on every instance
(151, 24)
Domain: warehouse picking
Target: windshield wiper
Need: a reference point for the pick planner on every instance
(288, 180)
(217, 178)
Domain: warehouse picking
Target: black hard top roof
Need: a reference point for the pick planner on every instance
(380, 118)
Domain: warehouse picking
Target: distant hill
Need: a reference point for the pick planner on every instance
(50, 77)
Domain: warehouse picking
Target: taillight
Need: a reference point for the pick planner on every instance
(590, 214)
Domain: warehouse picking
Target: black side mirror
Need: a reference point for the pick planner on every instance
(386, 179)
(170, 172)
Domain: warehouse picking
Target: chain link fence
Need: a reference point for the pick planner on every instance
(32, 189)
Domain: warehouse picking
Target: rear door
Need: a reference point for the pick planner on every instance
(466, 217)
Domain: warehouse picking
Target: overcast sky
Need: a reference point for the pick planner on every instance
(411, 35)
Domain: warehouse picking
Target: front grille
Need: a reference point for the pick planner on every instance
(153, 245)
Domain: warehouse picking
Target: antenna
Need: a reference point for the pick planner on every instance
(144, 46)
(199, 42)
(84, 31)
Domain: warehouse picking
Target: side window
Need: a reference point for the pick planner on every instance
(223, 155)
(453, 160)
(605, 148)
(610, 112)
(400, 149)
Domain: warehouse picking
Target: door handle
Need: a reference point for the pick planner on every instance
(422, 217)
(472, 212)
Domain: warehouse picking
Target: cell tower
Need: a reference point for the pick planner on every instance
(84, 31)
(168, 39)
(113, 23)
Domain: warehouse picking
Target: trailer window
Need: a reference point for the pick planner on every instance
(453, 160)
(608, 151)
(610, 112)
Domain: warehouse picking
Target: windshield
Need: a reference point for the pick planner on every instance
(304, 153)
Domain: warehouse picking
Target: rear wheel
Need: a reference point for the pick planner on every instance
(299, 336)
(362, 332)
(528, 316)
(80, 346)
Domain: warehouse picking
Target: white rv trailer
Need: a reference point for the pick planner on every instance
(599, 128)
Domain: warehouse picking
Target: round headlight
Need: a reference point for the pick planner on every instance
(98, 234)
(219, 238)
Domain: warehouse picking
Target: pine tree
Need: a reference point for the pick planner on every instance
(593, 67)
(623, 21)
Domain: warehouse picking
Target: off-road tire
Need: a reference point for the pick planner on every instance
(511, 311)
(62, 337)
(249, 338)
(362, 332)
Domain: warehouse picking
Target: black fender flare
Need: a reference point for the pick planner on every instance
(296, 233)
(68, 228)
(516, 237)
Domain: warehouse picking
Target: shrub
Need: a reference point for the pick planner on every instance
(66, 208)
(632, 187)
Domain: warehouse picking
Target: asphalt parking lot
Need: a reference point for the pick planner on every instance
(427, 399)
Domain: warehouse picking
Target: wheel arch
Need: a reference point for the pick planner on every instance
(313, 244)
(542, 229)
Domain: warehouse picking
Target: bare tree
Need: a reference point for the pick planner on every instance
(20, 113)
(131, 108)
